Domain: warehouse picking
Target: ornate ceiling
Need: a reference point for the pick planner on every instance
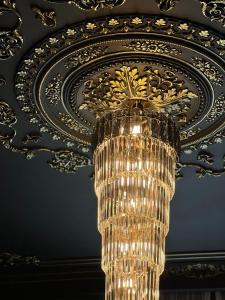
(63, 63)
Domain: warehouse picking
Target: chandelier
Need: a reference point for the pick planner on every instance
(134, 158)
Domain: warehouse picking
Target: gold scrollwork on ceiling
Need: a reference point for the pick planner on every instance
(214, 9)
(92, 4)
(153, 88)
(63, 160)
(11, 39)
(165, 5)
(205, 165)
(46, 16)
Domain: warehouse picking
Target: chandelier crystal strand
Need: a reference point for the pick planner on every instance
(135, 156)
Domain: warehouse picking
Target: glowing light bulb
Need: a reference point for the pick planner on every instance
(136, 129)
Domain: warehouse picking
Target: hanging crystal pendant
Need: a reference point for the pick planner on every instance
(135, 157)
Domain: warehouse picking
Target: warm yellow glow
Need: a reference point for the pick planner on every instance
(134, 183)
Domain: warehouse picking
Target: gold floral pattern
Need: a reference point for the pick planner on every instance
(53, 89)
(184, 26)
(208, 70)
(160, 22)
(153, 47)
(153, 89)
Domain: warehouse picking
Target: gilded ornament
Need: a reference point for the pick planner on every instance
(14, 260)
(184, 26)
(155, 89)
(113, 22)
(218, 109)
(206, 157)
(221, 43)
(137, 21)
(158, 47)
(70, 32)
(46, 16)
(204, 33)
(31, 137)
(188, 133)
(53, 89)
(7, 114)
(93, 4)
(160, 22)
(196, 271)
(210, 71)
(73, 124)
(165, 5)
(84, 55)
(10, 40)
(201, 169)
(68, 161)
(62, 160)
(214, 9)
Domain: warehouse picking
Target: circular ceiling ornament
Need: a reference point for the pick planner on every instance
(65, 82)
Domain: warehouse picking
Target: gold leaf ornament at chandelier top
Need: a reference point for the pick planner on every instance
(154, 90)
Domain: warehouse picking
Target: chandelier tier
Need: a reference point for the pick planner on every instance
(134, 160)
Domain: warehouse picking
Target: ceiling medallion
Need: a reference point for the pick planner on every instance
(11, 39)
(91, 4)
(60, 97)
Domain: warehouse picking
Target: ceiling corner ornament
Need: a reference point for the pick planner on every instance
(46, 16)
(11, 39)
(214, 9)
(92, 4)
(165, 5)
(15, 260)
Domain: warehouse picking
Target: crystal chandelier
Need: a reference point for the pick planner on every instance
(135, 157)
